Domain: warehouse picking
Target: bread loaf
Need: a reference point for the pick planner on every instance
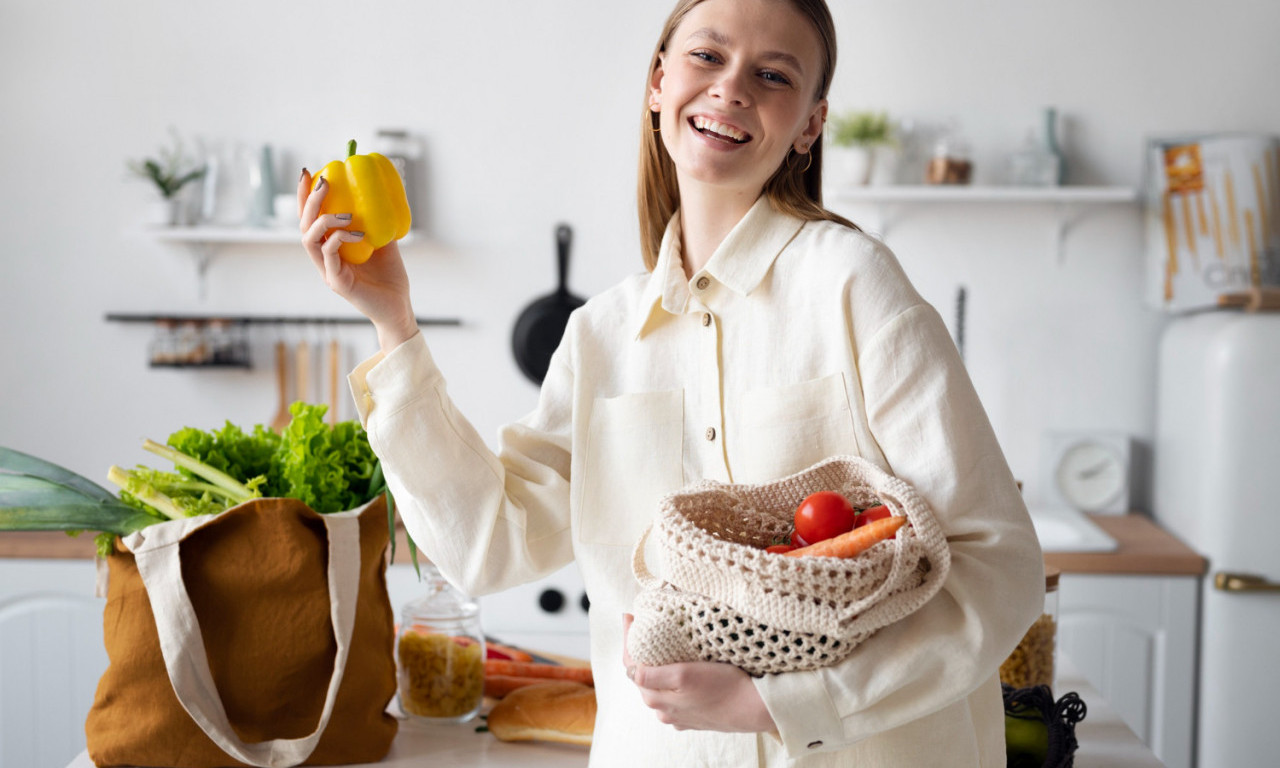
(552, 711)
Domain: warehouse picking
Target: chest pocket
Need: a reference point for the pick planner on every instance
(633, 459)
(781, 430)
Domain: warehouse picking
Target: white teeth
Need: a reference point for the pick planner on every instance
(704, 124)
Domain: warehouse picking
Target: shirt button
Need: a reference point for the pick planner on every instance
(703, 282)
(711, 433)
(814, 744)
(706, 319)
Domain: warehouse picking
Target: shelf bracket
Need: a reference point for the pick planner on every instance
(1068, 216)
(203, 253)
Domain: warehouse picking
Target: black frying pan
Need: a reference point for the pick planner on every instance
(541, 324)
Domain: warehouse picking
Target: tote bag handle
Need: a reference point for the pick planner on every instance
(155, 551)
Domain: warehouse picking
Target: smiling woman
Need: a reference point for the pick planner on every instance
(768, 334)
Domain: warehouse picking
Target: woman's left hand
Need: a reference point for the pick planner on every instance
(699, 695)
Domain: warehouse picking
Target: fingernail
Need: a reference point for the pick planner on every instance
(323, 183)
(344, 216)
(302, 175)
(357, 234)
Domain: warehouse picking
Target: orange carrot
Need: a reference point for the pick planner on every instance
(535, 669)
(499, 651)
(853, 542)
(497, 686)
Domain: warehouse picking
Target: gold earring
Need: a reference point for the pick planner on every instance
(656, 126)
(805, 169)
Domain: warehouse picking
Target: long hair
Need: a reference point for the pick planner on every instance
(795, 188)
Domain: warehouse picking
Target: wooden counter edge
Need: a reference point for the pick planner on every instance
(1144, 549)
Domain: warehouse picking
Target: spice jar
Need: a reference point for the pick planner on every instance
(950, 163)
(1034, 661)
(440, 654)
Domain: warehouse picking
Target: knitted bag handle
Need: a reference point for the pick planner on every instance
(638, 567)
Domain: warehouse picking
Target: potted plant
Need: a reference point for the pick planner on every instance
(170, 171)
(856, 137)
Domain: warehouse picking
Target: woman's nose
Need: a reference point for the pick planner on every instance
(731, 86)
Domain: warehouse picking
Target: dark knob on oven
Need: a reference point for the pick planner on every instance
(585, 603)
(551, 600)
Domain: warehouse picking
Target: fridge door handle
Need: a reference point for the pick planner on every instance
(1243, 582)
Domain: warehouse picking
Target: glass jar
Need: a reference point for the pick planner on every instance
(440, 654)
(1034, 661)
(950, 163)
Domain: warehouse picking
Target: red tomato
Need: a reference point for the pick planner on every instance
(779, 549)
(875, 513)
(798, 541)
(824, 515)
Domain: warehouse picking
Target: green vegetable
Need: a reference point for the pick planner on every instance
(36, 495)
(1026, 736)
(330, 468)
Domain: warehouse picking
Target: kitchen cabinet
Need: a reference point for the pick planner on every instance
(1129, 621)
(51, 656)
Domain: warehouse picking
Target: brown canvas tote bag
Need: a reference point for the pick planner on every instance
(261, 636)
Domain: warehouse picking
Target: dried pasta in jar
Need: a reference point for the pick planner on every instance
(440, 676)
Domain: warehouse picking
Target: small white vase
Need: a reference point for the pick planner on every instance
(849, 166)
(885, 161)
(160, 213)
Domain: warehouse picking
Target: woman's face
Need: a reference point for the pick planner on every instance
(737, 90)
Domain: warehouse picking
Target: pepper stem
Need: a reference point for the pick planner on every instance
(351, 147)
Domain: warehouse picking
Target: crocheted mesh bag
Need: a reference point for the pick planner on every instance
(723, 598)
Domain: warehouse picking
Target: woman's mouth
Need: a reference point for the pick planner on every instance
(717, 130)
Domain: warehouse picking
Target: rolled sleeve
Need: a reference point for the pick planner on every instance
(807, 720)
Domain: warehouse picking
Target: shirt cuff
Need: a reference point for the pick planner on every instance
(806, 718)
(394, 376)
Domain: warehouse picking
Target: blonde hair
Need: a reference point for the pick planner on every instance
(795, 188)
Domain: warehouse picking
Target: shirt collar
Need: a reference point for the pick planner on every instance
(740, 263)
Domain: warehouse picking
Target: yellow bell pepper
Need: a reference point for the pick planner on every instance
(370, 189)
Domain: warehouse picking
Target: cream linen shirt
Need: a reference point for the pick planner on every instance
(796, 342)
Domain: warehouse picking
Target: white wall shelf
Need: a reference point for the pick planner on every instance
(942, 193)
(1071, 203)
(204, 241)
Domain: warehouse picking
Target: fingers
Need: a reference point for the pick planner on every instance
(304, 191)
(667, 677)
(309, 200)
(322, 230)
(331, 261)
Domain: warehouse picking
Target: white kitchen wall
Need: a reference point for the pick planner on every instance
(529, 116)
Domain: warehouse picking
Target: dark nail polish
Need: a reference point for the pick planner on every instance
(302, 175)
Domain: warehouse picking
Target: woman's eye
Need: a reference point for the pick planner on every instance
(775, 77)
(705, 56)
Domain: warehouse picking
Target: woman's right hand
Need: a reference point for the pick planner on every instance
(378, 288)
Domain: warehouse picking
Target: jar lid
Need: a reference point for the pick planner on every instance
(1051, 574)
(442, 601)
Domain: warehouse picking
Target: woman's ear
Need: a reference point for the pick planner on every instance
(655, 83)
(813, 128)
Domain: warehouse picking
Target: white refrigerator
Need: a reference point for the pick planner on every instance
(1217, 488)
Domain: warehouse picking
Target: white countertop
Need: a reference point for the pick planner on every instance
(1105, 742)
